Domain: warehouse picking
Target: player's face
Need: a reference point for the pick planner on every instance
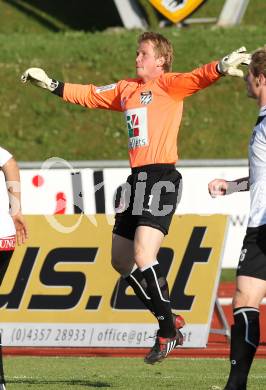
(147, 65)
(252, 85)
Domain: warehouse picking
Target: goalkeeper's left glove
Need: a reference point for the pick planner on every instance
(229, 64)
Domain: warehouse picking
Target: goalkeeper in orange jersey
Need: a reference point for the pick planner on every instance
(152, 103)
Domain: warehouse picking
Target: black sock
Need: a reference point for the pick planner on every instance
(139, 284)
(157, 288)
(245, 335)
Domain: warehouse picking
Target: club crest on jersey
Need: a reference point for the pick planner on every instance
(145, 97)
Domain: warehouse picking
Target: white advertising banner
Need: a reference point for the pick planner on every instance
(46, 191)
(196, 199)
(92, 191)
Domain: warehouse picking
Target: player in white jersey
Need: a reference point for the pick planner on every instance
(251, 270)
(12, 226)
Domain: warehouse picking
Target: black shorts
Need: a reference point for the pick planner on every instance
(252, 261)
(148, 198)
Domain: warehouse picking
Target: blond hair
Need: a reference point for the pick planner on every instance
(162, 48)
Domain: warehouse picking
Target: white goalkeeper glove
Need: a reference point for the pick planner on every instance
(229, 64)
(39, 78)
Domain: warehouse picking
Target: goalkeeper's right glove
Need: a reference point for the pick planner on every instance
(39, 78)
(229, 64)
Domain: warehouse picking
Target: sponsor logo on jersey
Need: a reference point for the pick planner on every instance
(145, 97)
(136, 120)
(7, 243)
(105, 88)
(133, 125)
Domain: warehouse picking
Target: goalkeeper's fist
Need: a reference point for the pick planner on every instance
(229, 64)
(39, 78)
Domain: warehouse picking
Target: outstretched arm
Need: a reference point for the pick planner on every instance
(91, 96)
(220, 187)
(186, 84)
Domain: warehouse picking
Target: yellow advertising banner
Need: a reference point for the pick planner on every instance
(60, 289)
(176, 10)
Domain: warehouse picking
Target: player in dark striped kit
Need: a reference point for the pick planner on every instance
(251, 270)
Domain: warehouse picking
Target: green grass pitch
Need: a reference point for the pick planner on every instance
(65, 373)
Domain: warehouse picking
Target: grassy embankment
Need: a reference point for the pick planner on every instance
(36, 125)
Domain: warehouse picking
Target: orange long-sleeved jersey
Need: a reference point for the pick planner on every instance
(153, 110)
